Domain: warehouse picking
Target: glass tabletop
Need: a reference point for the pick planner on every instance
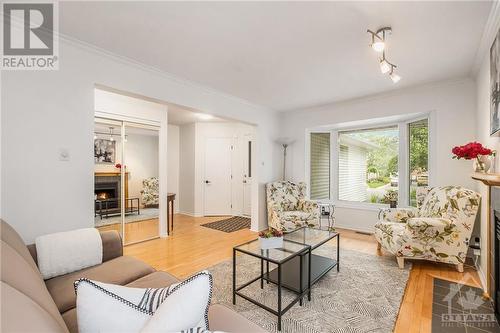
(310, 236)
(289, 249)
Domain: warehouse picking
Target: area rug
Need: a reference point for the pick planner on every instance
(231, 224)
(364, 296)
(146, 214)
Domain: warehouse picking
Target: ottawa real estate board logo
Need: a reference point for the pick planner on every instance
(29, 36)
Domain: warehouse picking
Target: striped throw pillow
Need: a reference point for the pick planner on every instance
(181, 307)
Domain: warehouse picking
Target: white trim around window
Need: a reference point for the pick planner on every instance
(403, 161)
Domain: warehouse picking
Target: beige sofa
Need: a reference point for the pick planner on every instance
(30, 304)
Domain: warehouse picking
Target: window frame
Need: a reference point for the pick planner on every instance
(403, 161)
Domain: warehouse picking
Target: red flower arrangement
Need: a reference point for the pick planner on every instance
(270, 233)
(471, 150)
(119, 166)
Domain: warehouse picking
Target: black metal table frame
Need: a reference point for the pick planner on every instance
(281, 311)
(131, 209)
(337, 264)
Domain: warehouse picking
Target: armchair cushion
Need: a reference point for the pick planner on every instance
(399, 215)
(307, 206)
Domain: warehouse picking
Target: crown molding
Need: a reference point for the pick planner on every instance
(489, 33)
(152, 69)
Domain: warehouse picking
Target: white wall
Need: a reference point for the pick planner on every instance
(173, 160)
(41, 107)
(452, 104)
(141, 155)
(187, 141)
(483, 136)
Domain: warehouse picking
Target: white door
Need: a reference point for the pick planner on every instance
(217, 176)
(247, 177)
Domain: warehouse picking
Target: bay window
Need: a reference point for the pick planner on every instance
(369, 165)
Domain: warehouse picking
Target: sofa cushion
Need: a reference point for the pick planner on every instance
(154, 280)
(19, 274)
(20, 313)
(224, 319)
(121, 270)
(70, 320)
(11, 237)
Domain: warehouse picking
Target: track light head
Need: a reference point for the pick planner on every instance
(394, 77)
(385, 67)
(378, 46)
(378, 39)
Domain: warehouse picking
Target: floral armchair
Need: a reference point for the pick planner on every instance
(287, 207)
(150, 192)
(438, 230)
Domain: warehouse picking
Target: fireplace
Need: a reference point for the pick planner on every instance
(107, 187)
(107, 191)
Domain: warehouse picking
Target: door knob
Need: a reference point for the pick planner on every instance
(207, 181)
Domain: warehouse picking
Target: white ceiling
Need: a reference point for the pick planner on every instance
(286, 55)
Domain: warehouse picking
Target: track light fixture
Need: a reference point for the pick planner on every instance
(378, 44)
(378, 38)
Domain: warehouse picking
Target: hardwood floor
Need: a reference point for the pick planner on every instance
(136, 231)
(192, 248)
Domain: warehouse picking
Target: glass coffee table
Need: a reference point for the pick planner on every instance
(297, 268)
(320, 265)
(279, 257)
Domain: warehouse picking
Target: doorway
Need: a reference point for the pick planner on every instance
(126, 186)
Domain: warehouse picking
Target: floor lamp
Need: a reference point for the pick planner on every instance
(284, 142)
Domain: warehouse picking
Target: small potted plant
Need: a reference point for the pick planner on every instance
(477, 152)
(271, 239)
(391, 197)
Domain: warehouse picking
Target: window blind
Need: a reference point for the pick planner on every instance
(320, 166)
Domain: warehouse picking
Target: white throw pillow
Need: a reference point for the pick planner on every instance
(181, 307)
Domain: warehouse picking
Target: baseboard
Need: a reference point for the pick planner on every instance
(482, 277)
(188, 214)
(365, 231)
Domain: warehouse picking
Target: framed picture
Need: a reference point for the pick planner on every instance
(495, 86)
(104, 151)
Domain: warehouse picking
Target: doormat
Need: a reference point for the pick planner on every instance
(231, 224)
(461, 308)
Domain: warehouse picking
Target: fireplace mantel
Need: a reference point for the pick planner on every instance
(490, 180)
